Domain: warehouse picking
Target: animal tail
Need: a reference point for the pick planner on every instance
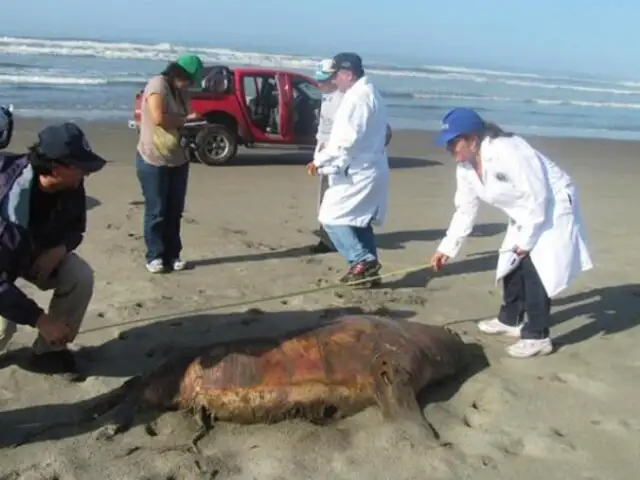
(108, 401)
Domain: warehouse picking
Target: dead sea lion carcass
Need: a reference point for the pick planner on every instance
(321, 375)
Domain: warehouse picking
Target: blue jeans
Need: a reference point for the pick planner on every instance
(355, 244)
(164, 190)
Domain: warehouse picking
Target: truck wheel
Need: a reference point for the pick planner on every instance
(216, 144)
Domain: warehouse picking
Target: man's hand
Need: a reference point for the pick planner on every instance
(55, 331)
(192, 116)
(312, 169)
(438, 260)
(47, 262)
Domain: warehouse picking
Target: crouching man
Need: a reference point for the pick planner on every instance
(42, 222)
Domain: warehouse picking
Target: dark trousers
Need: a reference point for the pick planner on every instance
(164, 190)
(523, 292)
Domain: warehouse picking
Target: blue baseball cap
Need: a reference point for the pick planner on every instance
(66, 143)
(459, 121)
(324, 70)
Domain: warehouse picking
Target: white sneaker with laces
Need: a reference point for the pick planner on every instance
(155, 266)
(526, 348)
(496, 327)
(179, 264)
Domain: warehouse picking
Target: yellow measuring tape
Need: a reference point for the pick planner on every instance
(244, 303)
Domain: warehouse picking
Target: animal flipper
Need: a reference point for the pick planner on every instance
(98, 407)
(110, 400)
(205, 425)
(118, 406)
(397, 400)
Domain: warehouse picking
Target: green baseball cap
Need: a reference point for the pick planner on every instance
(193, 66)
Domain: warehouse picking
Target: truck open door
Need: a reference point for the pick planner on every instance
(285, 106)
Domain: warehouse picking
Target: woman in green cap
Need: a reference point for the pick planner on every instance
(161, 164)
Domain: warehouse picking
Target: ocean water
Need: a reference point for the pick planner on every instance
(94, 80)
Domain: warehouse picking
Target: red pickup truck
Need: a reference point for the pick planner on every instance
(253, 107)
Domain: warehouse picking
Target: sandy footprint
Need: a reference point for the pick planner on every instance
(618, 426)
(584, 384)
(493, 397)
(548, 443)
(388, 445)
(355, 296)
(47, 469)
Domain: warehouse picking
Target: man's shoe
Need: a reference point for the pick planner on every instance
(362, 271)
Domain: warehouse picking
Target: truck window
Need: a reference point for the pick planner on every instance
(308, 89)
(262, 98)
(249, 84)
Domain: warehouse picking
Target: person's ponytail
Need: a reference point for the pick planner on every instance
(492, 130)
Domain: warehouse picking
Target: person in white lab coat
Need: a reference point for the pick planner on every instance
(331, 98)
(355, 160)
(544, 248)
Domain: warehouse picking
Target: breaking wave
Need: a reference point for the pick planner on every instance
(167, 51)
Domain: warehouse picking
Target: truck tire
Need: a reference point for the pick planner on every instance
(216, 145)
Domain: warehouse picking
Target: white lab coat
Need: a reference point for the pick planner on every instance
(328, 108)
(540, 201)
(355, 160)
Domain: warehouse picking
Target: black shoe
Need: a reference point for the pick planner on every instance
(55, 363)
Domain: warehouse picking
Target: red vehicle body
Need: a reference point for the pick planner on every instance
(252, 107)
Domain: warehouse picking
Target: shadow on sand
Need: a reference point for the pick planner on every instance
(92, 202)
(142, 348)
(608, 310)
(398, 240)
(473, 264)
(386, 241)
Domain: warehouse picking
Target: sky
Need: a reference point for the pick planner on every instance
(561, 36)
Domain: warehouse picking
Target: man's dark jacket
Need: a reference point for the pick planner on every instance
(19, 245)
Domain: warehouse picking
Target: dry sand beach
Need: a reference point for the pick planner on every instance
(573, 414)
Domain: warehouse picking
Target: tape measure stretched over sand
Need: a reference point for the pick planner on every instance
(244, 303)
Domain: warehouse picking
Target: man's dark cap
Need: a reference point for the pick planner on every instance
(67, 144)
(348, 61)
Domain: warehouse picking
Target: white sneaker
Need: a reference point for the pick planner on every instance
(526, 348)
(496, 327)
(179, 264)
(155, 266)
